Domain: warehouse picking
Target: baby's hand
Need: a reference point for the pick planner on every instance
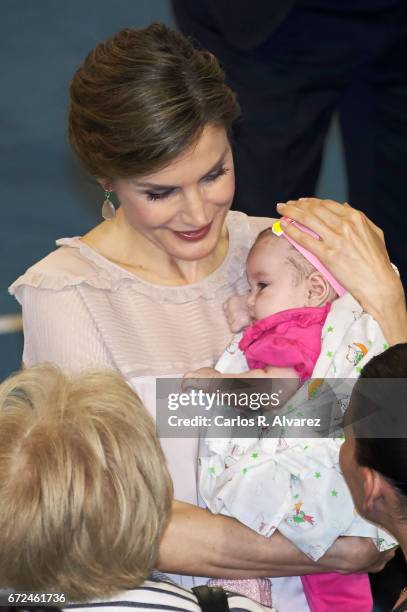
(199, 379)
(203, 373)
(237, 312)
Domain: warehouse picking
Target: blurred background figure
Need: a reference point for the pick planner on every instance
(293, 64)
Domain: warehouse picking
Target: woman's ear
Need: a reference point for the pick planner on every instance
(379, 495)
(318, 289)
(371, 489)
(105, 184)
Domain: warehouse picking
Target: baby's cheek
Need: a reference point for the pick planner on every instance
(265, 306)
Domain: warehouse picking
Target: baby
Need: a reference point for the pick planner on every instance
(289, 301)
(300, 323)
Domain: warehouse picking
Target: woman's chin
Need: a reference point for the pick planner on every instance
(192, 251)
(182, 247)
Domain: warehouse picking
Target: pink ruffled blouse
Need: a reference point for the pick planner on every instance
(82, 311)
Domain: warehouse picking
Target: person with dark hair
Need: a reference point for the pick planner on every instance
(374, 466)
(142, 293)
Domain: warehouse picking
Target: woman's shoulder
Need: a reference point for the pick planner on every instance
(251, 226)
(70, 265)
(258, 224)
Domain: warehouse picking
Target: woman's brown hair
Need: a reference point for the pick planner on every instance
(141, 98)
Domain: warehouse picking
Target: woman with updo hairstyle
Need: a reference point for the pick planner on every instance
(373, 457)
(151, 119)
(141, 99)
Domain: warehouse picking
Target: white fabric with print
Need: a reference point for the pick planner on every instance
(295, 484)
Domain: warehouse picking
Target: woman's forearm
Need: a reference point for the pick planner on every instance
(199, 543)
(391, 314)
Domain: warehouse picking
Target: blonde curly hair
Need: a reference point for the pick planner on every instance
(85, 493)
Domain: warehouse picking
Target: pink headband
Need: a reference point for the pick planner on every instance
(278, 231)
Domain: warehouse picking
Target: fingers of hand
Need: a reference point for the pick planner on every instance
(381, 564)
(382, 558)
(354, 220)
(201, 373)
(322, 216)
(187, 384)
(236, 312)
(351, 234)
(234, 304)
(197, 379)
(315, 204)
(312, 205)
(325, 210)
(305, 240)
(238, 323)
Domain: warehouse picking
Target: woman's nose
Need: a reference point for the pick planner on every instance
(195, 210)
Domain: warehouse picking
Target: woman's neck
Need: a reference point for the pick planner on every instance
(124, 246)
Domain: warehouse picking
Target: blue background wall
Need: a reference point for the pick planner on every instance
(44, 195)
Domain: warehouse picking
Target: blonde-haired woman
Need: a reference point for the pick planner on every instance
(85, 493)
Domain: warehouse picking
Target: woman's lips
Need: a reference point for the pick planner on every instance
(195, 235)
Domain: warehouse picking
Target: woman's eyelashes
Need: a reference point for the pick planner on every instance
(152, 196)
(261, 286)
(159, 195)
(214, 175)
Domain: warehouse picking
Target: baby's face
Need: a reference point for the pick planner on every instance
(273, 280)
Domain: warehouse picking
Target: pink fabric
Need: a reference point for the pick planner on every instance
(258, 589)
(291, 338)
(337, 593)
(312, 258)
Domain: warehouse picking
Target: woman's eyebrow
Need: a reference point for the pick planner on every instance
(157, 187)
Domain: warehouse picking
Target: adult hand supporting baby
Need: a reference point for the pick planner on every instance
(235, 551)
(202, 378)
(367, 558)
(353, 249)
